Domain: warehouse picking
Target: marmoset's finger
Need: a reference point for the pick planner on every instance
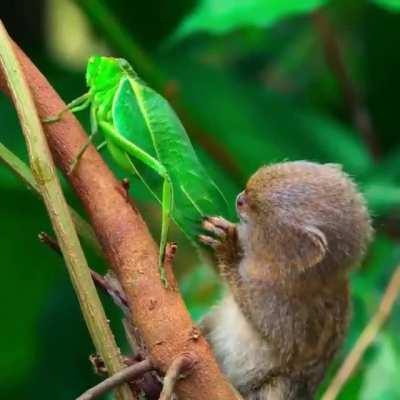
(209, 241)
(210, 227)
(221, 223)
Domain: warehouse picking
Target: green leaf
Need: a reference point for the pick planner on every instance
(382, 197)
(391, 5)
(222, 16)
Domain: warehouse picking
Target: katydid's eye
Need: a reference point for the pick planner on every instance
(240, 200)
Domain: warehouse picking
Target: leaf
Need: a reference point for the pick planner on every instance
(222, 16)
(382, 184)
(382, 197)
(391, 5)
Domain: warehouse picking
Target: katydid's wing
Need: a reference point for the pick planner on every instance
(195, 194)
(129, 122)
(128, 118)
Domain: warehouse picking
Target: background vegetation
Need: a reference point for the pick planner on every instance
(254, 85)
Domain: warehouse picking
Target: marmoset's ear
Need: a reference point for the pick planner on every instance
(309, 247)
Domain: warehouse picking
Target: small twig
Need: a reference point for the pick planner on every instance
(102, 282)
(366, 338)
(100, 369)
(359, 113)
(46, 239)
(180, 365)
(125, 375)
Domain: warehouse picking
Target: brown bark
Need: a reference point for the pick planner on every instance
(158, 313)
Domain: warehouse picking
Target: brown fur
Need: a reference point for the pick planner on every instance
(303, 226)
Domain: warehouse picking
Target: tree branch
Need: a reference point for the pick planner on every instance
(159, 314)
(366, 338)
(50, 189)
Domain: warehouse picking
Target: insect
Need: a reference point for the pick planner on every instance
(142, 131)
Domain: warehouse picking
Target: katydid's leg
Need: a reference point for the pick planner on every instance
(167, 196)
(166, 207)
(132, 149)
(136, 172)
(101, 145)
(82, 150)
(76, 105)
(93, 133)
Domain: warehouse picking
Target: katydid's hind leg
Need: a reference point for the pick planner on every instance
(101, 145)
(166, 202)
(135, 171)
(93, 133)
(167, 205)
(79, 104)
(82, 150)
(167, 198)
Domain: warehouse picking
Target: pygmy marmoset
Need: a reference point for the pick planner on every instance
(302, 226)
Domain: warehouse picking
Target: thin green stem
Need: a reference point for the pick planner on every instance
(44, 172)
(22, 171)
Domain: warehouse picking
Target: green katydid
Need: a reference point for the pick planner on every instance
(141, 130)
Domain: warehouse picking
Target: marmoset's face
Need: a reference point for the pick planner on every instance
(301, 196)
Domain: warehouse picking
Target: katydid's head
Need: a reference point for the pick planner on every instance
(104, 73)
(126, 67)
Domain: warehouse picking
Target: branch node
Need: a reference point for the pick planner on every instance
(170, 252)
(126, 184)
(98, 365)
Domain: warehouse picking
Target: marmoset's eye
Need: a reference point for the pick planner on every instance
(240, 200)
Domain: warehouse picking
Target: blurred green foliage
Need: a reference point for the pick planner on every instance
(391, 5)
(259, 91)
(221, 16)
